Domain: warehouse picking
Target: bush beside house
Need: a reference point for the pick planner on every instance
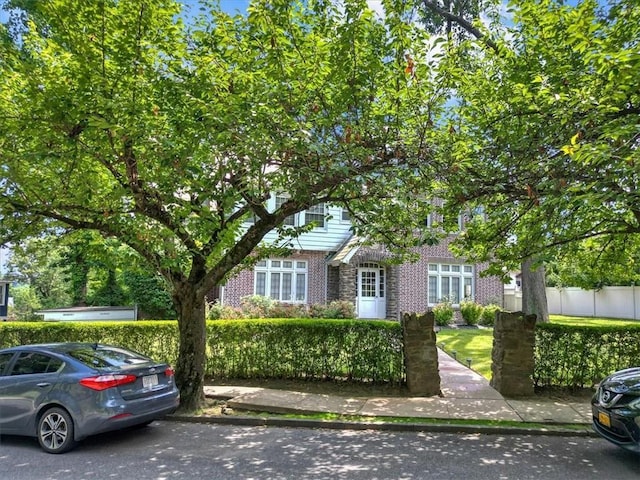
(488, 316)
(471, 312)
(257, 306)
(443, 313)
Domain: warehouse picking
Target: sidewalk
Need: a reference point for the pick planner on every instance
(466, 396)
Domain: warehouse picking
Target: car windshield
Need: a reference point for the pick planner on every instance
(107, 357)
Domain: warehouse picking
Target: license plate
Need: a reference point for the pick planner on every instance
(149, 381)
(604, 419)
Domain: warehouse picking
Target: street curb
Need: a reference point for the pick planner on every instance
(553, 430)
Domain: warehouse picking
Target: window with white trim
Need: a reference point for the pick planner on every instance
(438, 221)
(2, 293)
(282, 280)
(315, 214)
(450, 282)
(291, 219)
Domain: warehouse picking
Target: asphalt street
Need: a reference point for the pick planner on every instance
(173, 450)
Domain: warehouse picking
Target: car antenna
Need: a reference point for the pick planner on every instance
(95, 346)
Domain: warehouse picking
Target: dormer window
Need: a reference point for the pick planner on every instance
(315, 214)
(291, 219)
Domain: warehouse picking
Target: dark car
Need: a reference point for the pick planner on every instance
(64, 392)
(616, 409)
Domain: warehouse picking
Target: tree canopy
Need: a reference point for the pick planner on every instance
(117, 117)
(83, 269)
(544, 136)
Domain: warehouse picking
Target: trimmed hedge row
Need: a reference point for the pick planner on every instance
(158, 339)
(580, 356)
(307, 349)
(355, 350)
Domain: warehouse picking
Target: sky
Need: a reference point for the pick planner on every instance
(229, 6)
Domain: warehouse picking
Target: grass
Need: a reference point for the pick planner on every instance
(476, 344)
(470, 343)
(592, 322)
(328, 417)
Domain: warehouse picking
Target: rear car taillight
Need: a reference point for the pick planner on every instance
(102, 382)
(169, 372)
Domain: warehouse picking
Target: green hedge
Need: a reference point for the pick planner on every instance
(306, 348)
(579, 356)
(354, 350)
(158, 339)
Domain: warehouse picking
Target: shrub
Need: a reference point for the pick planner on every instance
(335, 309)
(343, 308)
(256, 306)
(488, 316)
(309, 349)
(443, 313)
(287, 310)
(215, 311)
(471, 312)
(581, 356)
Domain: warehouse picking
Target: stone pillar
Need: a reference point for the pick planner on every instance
(333, 283)
(420, 354)
(512, 355)
(348, 282)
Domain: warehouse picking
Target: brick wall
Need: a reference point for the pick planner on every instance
(237, 287)
(333, 283)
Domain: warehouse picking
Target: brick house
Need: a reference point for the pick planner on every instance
(329, 263)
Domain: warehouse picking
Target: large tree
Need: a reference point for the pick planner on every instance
(36, 265)
(475, 20)
(595, 263)
(117, 117)
(545, 133)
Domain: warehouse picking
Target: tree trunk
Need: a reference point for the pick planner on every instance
(534, 293)
(190, 368)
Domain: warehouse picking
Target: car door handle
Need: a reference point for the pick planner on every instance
(43, 384)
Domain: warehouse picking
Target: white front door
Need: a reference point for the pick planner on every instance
(371, 292)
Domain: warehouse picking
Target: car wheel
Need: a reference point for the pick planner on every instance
(55, 431)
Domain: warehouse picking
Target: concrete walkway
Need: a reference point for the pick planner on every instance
(466, 395)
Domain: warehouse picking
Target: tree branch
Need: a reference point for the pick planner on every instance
(462, 23)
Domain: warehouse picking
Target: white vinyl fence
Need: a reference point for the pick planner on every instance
(612, 302)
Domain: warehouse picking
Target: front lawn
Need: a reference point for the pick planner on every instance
(476, 343)
(473, 343)
(592, 322)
